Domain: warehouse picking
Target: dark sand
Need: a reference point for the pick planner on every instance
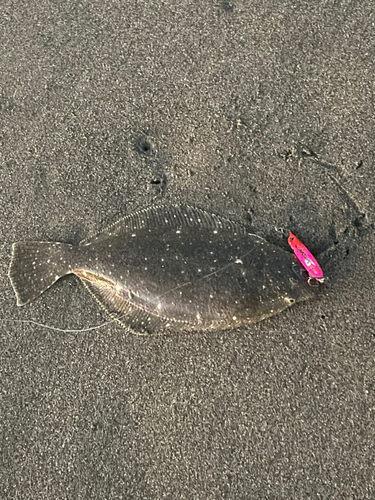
(260, 111)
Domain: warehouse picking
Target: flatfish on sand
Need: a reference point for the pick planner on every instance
(169, 269)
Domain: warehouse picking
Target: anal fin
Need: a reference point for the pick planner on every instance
(131, 316)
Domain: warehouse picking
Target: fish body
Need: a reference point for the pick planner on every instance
(169, 269)
(306, 258)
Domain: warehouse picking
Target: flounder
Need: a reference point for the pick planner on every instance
(167, 270)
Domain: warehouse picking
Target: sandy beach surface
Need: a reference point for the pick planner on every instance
(259, 111)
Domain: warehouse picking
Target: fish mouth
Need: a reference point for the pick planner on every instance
(312, 281)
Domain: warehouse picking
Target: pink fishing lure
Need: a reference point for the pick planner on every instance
(306, 258)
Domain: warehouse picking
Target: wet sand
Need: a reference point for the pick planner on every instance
(262, 113)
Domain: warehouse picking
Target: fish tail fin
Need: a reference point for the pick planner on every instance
(35, 266)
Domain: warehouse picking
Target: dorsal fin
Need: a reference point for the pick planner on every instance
(174, 217)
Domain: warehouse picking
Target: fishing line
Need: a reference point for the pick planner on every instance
(55, 328)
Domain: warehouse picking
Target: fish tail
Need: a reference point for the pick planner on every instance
(35, 266)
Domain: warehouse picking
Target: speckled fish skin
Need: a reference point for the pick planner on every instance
(166, 270)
